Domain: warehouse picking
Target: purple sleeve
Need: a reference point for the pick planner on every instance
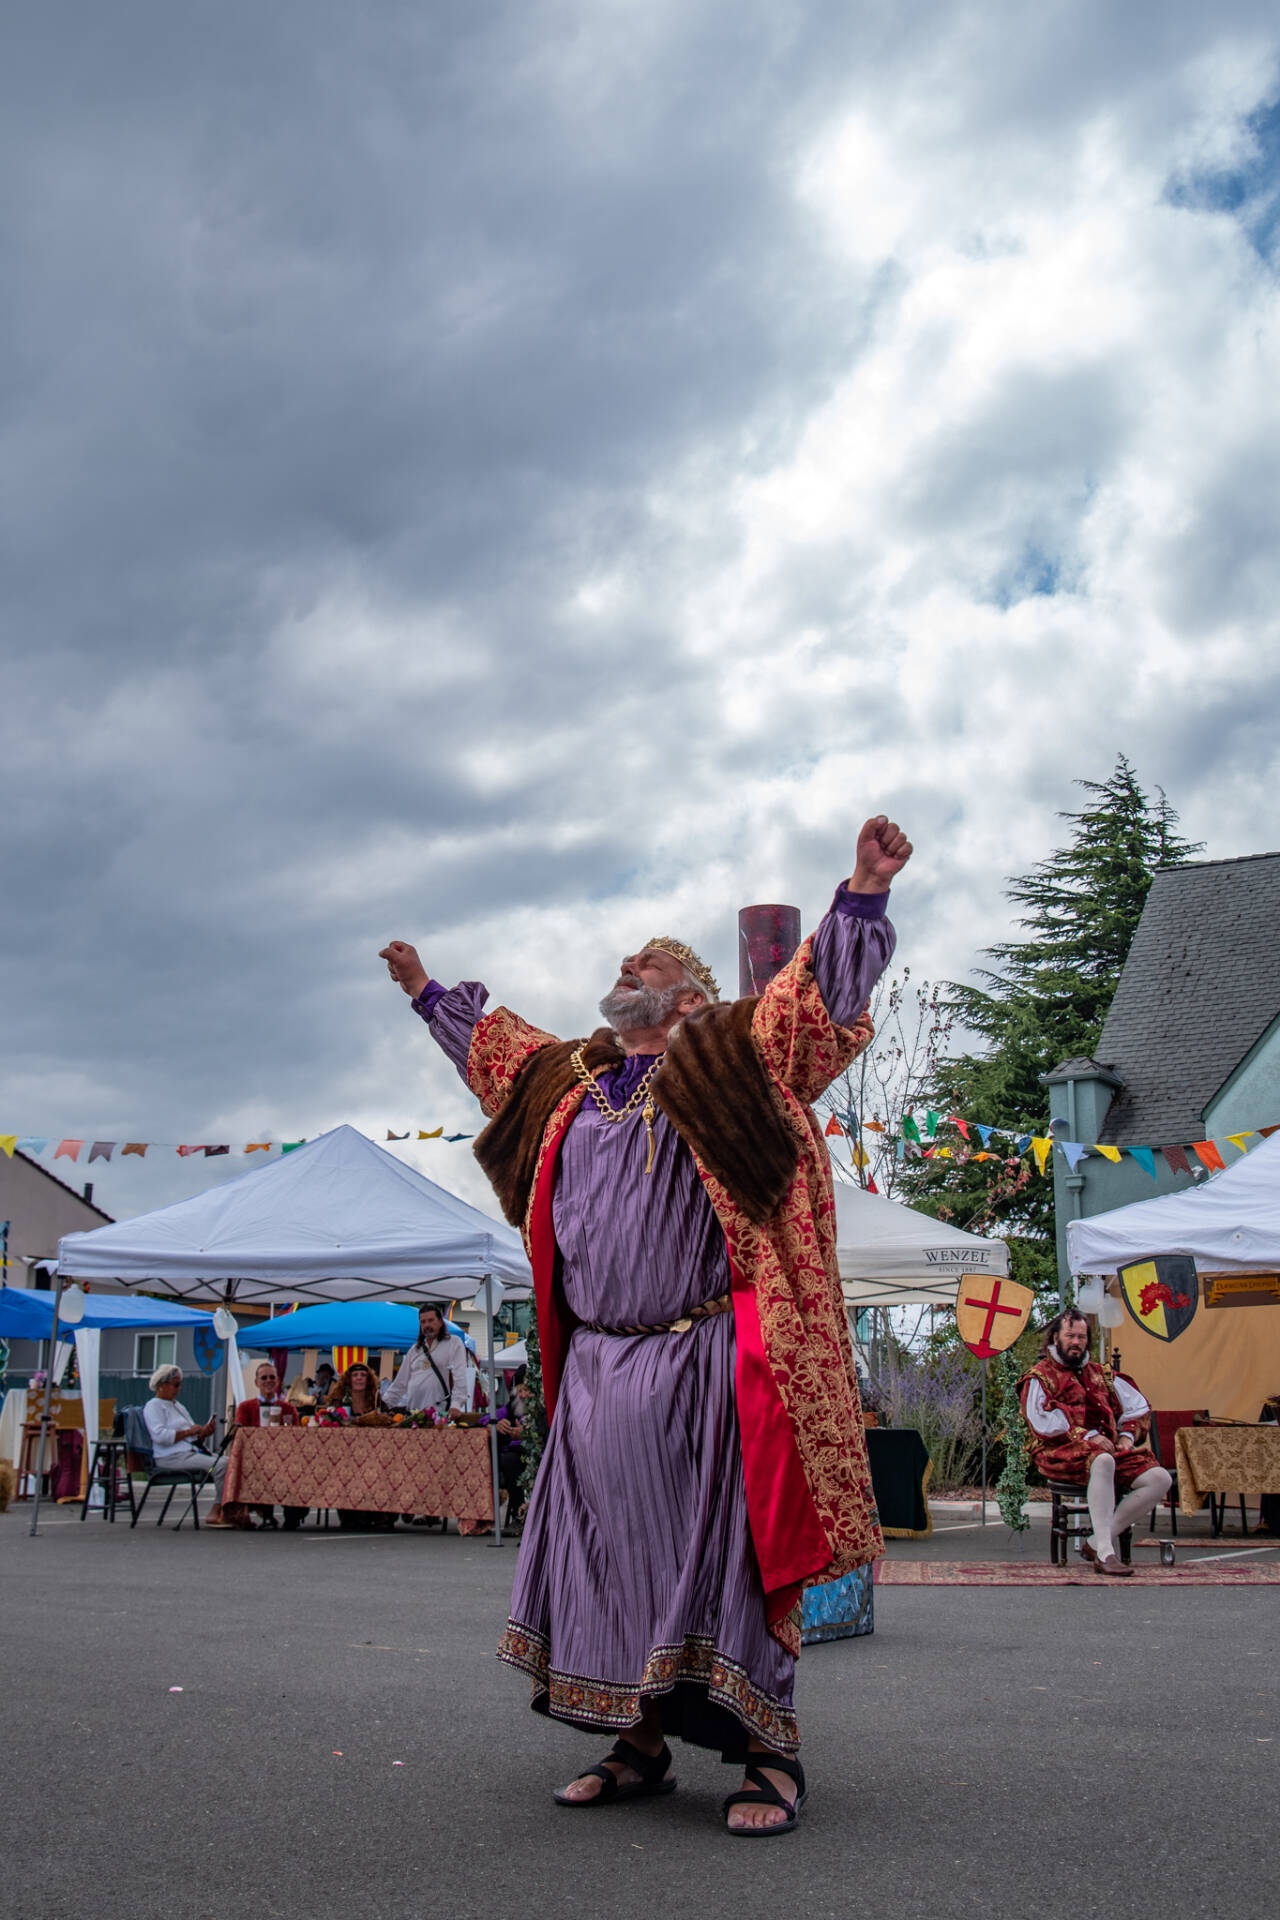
(451, 1013)
(851, 949)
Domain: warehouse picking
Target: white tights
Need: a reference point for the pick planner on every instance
(1110, 1520)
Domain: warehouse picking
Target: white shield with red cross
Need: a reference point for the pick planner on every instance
(991, 1313)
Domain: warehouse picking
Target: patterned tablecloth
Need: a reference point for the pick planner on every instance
(371, 1469)
(1225, 1460)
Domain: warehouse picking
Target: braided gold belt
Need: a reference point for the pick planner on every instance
(706, 1311)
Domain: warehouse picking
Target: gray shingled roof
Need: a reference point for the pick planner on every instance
(1200, 987)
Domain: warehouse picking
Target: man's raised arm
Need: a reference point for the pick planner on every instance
(809, 1024)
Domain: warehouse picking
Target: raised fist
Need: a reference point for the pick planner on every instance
(404, 967)
(883, 851)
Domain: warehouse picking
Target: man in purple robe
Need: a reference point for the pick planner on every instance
(639, 1603)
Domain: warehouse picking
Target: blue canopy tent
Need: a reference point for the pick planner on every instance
(341, 1323)
(26, 1314)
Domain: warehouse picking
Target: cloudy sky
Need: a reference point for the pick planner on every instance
(519, 477)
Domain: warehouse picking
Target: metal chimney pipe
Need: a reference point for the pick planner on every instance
(767, 938)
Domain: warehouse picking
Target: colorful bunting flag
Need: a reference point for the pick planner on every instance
(931, 1120)
(874, 1126)
(1267, 1132)
(1177, 1159)
(430, 1136)
(135, 1146)
(1206, 1151)
(963, 1125)
(910, 1131)
(101, 1150)
(1145, 1158)
(1238, 1139)
(871, 1185)
(1108, 1153)
(1042, 1147)
(32, 1145)
(1022, 1142)
(186, 1152)
(397, 1136)
(211, 1152)
(832, 1128)
(8, 1144)
(68, 1149)
(258, 1146)
(860, 1158)
(1073, 1152)
(985, 1134)
(451, 1137)
(290, 1146)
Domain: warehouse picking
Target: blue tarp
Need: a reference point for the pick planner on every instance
(26, 1314)
(345, 1323)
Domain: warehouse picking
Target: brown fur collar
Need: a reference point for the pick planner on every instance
(711, 1085)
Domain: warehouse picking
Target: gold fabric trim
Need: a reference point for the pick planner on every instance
(611, 1703)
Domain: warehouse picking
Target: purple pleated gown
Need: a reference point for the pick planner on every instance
(636, 1582)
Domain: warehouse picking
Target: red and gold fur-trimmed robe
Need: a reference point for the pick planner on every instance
(808, 1486)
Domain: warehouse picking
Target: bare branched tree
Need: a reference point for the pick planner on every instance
(893, 1075)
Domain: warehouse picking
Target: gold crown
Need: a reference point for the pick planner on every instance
(697, 969)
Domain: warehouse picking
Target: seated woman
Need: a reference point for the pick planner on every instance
(174, 1435)
(358, 1391)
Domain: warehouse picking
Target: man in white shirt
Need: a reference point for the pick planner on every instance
(434, 1371)
(174, 1434)
(1085, 1423)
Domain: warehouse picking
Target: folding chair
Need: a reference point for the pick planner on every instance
(141, 1456)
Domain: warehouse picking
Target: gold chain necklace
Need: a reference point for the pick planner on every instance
(648, 1112)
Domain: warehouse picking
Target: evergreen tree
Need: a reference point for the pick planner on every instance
(1043, 1000)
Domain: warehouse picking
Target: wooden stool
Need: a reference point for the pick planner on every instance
(1069, 1520)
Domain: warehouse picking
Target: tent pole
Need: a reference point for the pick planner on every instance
(493, 1401)
(44, 1411)
(985, 1369)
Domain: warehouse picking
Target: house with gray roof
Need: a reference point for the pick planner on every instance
(1190, 1049)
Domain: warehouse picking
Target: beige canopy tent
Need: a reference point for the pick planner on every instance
(891, 1256)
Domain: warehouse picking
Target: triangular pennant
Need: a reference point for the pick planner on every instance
(1042, 1147)
(874, 1126)
(430, 1136)
(833, 1127)
(258, 1146)
(1146, 1159)
(931, 1120)
(985, 1134)
(910, 1131)
(1206, 1151)
(459, 1136)
(1177, 1159)
(101, 1149)
(940, 1153)
(1022, 1142)
(1267, 1132)
(291, 1146)
(135, 1146)
(210, 1152)
(1072, 1152)
(32, 1145)
(1238, 1139)
(8, 1144)
(186, 1152)
(1108, 1153)
(68, 1150)
(871, 1185)
(860, 1157)
(963, 1125)
(397, 1136)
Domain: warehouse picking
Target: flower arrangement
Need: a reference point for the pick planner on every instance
(333, 1416)
(428, 1417)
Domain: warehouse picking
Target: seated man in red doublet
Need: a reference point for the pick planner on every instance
(269, 1408)
(1086, 1423)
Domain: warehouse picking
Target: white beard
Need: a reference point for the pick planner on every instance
(630, 1009)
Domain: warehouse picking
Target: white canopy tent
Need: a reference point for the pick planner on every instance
(1230, 1224)
(336, 1219)
(891, 1256)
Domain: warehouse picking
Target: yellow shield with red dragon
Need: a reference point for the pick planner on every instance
(1161, 1293)
(991, 1313)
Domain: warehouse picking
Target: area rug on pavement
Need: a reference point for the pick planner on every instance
(1018, 1573)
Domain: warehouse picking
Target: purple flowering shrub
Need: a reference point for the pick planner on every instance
(937, 1394)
